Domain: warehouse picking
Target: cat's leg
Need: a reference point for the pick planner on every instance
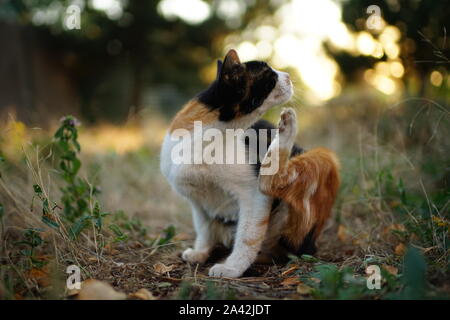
(255, 206)
(252, 226)
(204, 241)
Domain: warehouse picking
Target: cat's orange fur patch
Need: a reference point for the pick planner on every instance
(310, 195)
(193, 111)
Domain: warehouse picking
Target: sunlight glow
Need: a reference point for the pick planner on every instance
(384, 84)
(309, 18)
(303, 26)
(365, 43)
(112, 8)
(341, 37)
(397, 69)
(296, 42)
(191, 11)
(247, 51)
(316, 69)
(231, 11)
(436, 78)
(383, 76)
(47, 16)
(294, 39)
(266, 32)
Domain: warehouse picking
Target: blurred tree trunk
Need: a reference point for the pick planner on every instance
(16, 76)
(136, 93)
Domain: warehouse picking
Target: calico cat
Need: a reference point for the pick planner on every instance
(261, 217)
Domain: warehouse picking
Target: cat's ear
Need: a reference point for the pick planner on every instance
(232, 67)
(231, 59)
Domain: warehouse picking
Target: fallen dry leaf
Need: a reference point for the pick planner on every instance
(394, 227)
(392, 270)
(40, 276)
(142, 294)
(342, 233)
(398, 227)
(111, 250)
(303, 289)
(72, 292)
(425, 250)
(400, 249)
(289, 271)
(136, 245)
(290, 281)
(92, 289)
(18, 296)
(162, 268)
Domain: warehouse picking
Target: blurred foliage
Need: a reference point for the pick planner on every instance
(328, 281)
(140, 58)
(423, 25)
(112, 61)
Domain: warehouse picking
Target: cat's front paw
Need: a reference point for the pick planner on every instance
(222, 270)
(287, 128)
(194, 256)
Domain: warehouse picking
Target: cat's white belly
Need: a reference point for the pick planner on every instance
(210, 185)
(215, 201)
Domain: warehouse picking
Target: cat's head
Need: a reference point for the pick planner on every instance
(242, 89)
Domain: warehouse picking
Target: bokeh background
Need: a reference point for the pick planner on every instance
(371, 80)
(130, 57)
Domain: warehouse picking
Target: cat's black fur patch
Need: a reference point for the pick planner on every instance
(263, 124)
(308, 245)
(258, 127)
(239, 89)
(226, 222)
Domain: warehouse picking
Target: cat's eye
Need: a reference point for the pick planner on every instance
(270, 84)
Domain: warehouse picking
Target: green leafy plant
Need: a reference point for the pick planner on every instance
(48, 216)
(169, 233)
(337, 283)
(96, 218)
(216, 292)
(414, 276)
(77, 192)
(131, 225)
(119, 235)
(32, 240)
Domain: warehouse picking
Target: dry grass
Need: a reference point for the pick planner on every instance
(360, 233)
